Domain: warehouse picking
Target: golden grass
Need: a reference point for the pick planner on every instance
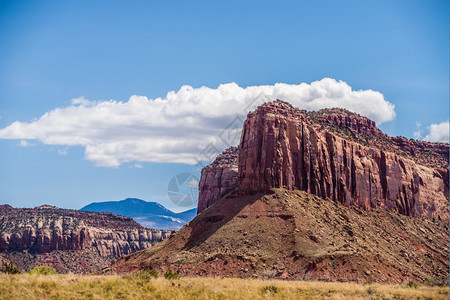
(26, 286)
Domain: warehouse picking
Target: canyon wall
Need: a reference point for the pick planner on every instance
(50, 230)
(340, 156)
(219, 178)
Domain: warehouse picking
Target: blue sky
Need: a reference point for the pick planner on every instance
(104, 52)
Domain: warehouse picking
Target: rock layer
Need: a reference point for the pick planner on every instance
(47, 229)
(219, 178)
(281, 147)
(364, 131)
(337, 155)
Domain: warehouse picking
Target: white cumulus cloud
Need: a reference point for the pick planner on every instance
(438, 132)
(185, 124)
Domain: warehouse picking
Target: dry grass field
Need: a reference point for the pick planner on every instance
(144, 286)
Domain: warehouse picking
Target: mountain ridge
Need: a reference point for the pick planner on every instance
(148, 214)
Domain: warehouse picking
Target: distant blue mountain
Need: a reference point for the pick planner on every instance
(148, 214)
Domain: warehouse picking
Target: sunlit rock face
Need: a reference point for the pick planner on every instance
(334, 154)
(219, 178)
(55, 233)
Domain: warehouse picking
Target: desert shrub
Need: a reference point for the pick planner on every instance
(269, 289)
(42, 270)
(431, 282)
(147, 275)
(9, 268)
(370, 291)
(129, 277)
(170, 275)
(154, 273)
(144, 275)
(412, 284)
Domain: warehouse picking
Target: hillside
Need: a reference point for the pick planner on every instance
(148, 214)
(70, 240)
(295, 235)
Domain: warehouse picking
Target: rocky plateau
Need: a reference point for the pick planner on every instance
(70, 240)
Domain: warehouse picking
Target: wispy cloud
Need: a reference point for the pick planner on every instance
(81, 101)
(62, 151)
(418, 133)
(24, 143)
(179, 126)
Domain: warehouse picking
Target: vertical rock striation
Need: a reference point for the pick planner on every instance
(334, 154)
(219, 178)
(285, 147)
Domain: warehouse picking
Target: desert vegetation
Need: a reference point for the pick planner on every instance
(148, 285)
(42, 270)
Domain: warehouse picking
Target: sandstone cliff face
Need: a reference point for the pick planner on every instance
(51, 230)
(281, 147)
(340, 156)
(354, 127)
(219, 178)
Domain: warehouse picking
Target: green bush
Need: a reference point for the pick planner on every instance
(9, 268)
(412, 284)
(42, 270)
(147, 275)
(270, 289)
(154, 273)
(170, 275)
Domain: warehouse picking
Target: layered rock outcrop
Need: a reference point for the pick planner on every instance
(340, 156)
(284, 213)
(219, 178)
(50, 230)
(357, 128)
